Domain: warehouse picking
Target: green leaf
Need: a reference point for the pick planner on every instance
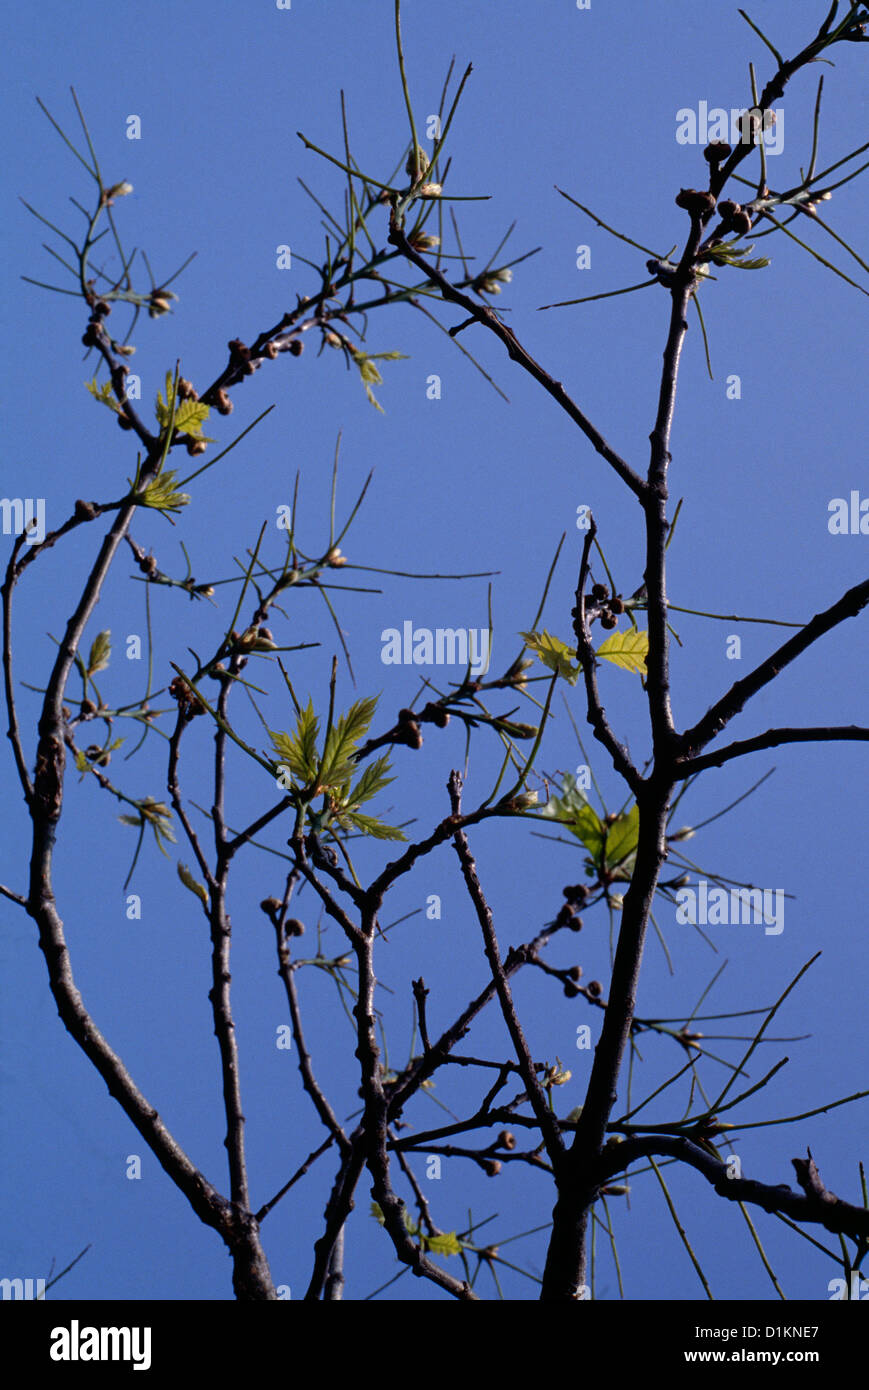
(81, 762)
(627, 650)
(554, 653)
(104, 394)
(446, 1244)
(377, 1213)
(162, 494)
(338, 766)
(369, 372)
(573, 811)
(190, 417)
(299, 750)
(730, 253)
(101, 647)
(368, 825)
(373, 780)
(190, 882)
(621, 837)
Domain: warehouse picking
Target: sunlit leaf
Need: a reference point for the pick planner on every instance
(626, 649)
(101, 647)
(193, 884)
(554, 653)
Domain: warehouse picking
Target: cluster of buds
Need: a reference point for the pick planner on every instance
(100, 309)
(186, 390)
(189, 703)
(567, 915)
(160, 302)
(606, 608)
(734, 217)
(491, 281)
(753, 122)
(435, 714)
(407, 729)
(239, 357)
(570, 979)
(222, 404)
(556, 1075)
(254, 639)
(421, 241)
(699, 202)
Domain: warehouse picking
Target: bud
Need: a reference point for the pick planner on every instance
(421, 241)
(741, 222)
(196, 446)
(222, 403)
(524, 801)
(685, 833)
(717, 151)
(123, 349)
(416, 165)
(332, 339)
(431, 190)
(695, 201)
(506, 1139)
(186, 390)
(297, 347)
(491, 1167)
(85, 511)
(437, 715)
(335, 558)
(270, 351)
(609, 621)
(599, 591)
(160, 303)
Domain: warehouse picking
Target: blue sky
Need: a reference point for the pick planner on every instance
(587, 100)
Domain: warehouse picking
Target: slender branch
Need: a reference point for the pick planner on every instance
(549, 1128)
(814, 1207)
(830, 733)
(482, 314)
(730, 704)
